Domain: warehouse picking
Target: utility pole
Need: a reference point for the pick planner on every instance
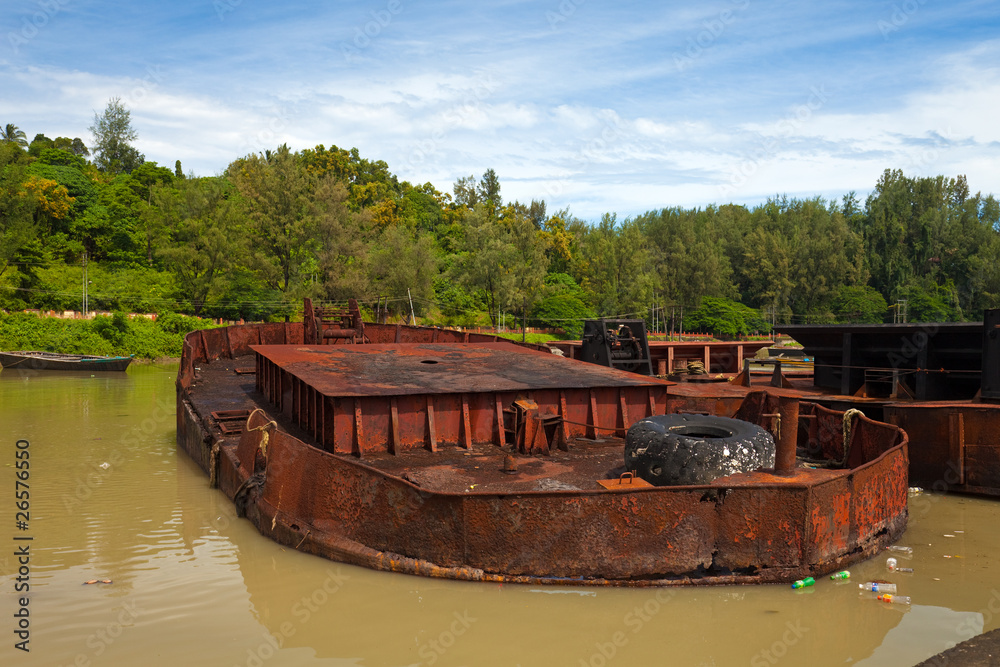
(85, 281)
(413, 317)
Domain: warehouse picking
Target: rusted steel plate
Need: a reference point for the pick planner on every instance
(759, 527)
(626, 482)
(384, 370)
(646, 533)
(953, 445)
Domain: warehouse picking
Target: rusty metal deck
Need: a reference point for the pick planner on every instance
(394, 370)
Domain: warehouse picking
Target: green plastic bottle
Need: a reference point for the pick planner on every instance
(802, 583)
(843, 574)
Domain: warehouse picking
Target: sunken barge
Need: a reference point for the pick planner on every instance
(458, 455)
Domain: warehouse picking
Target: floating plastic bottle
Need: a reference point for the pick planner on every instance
(890, 564)
(802, 583)
(843, 574)
(876, 587)
(901, 550)
(894, 599)
(905, 569)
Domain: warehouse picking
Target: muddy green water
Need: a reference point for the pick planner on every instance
(111, 497)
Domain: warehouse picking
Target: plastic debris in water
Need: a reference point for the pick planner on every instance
(843, 574)
(901, 550)
(876, 587)
(802, 583)
(894, 599)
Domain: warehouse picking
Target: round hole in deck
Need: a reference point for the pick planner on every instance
(428, 361)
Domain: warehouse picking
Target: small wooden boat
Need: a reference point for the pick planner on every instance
(55, 361)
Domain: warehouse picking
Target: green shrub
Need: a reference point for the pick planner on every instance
(725, 318)
(117, 335)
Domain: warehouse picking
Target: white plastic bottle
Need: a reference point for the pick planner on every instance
(876, 587)
(894, 599)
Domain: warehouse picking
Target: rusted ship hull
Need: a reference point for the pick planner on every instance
(408, 476)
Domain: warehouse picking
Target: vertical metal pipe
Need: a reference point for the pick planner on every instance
(784, 457)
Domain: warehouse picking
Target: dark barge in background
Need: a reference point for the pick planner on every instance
(459, 455)
(938, 381)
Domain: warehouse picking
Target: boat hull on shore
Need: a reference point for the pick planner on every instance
(54, 361)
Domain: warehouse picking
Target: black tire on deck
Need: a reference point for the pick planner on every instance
(674, 450)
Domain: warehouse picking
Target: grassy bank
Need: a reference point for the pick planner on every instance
(115, 335)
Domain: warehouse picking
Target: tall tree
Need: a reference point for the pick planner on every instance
(466, 193)
(18, 229)
(343, 259)
(489, 192)
(403, 260)
(505, 261)
(113, 134)
(11, 134)
(617, 266)
(78, 147)
(201, 222)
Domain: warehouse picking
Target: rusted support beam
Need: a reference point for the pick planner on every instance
(777, 379)
(592, 423)
(784, 456)
(563, 440)
(743, 379)
(329, 438)
(431, 433)
(358, 430)
(623, 408)
(466, 425)
(394, 444)
(501, 434)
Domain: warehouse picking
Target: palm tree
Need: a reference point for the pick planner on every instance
(13, 135)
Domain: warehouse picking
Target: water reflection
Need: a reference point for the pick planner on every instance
(113, 499)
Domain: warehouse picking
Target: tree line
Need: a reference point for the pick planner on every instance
(329, 224)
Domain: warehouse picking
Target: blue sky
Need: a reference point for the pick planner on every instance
(597, 106)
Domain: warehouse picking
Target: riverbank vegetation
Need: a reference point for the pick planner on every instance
(110, 335)
(327, 223)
